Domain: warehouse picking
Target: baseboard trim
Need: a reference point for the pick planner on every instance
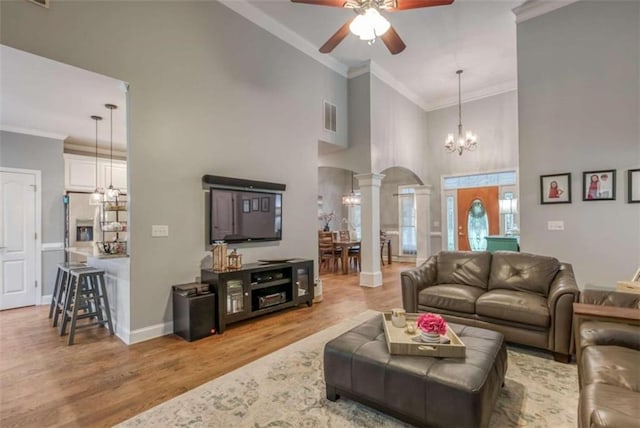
(46, 300)
(371, 279)
(147, 333)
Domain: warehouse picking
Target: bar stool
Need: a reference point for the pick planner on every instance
(60, 288)
(86, 292)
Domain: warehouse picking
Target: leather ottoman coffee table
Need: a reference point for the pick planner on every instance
(424, 391)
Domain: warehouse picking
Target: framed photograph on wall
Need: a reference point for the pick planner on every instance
(555, 188)
(246, 206)
(633, 186)
(255, 204)
(264, 205)
(599, 185)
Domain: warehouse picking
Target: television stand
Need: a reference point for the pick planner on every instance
(257, 289)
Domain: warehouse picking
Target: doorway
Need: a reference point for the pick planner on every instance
(472, 208)
(20, 219)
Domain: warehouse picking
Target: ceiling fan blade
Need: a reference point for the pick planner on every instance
(392, 41)
(415, 4)
(332, 3)
(337, 37)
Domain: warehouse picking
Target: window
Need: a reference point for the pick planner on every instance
(451, 224)
(407, 208)
(354, 219)
(477, 226)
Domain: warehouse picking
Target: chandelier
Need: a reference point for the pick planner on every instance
(369, 25)
(351, 199)
(465, 141)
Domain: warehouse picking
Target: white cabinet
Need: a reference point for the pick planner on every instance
(80, 173)
(119, 174)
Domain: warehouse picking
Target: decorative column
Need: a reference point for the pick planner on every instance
(370, 275)
(423, 223)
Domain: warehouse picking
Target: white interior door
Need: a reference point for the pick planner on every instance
(17, 239)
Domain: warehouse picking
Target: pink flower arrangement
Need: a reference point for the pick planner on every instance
(432, 323)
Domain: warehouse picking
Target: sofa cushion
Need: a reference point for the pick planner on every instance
(515, 306)
(452, 297)
(613, 365)
(530, 273)
(464, 267)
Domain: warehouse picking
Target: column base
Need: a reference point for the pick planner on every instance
(371, 279)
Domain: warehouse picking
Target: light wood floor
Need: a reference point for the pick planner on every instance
(100, 381)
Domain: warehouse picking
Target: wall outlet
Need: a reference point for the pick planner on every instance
(555, 225)
(159, 231)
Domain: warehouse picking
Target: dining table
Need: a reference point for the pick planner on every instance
(345, 246)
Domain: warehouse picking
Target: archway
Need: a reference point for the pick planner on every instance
(398, 211)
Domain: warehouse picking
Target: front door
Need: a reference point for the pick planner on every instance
(17, 239)
(478, 216)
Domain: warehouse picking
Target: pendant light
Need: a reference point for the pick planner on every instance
(468, 141)
(112, 192)
(351, 199)
(97, 196)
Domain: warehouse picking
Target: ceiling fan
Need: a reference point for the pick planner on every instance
(369, 23)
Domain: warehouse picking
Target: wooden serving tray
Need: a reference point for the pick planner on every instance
(401, 343)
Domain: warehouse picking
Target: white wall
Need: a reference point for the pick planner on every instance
(210, 93)
(495, 121)
(579, 89)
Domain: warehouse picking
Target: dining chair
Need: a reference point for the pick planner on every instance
(328, 255)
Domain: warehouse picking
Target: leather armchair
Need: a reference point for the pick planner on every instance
(608, 350)
(526, 297)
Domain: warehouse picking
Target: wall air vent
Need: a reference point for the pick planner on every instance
(43, 3)
(329, 116)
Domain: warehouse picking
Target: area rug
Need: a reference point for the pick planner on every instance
(286, 389)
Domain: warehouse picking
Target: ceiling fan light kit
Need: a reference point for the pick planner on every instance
(369, 23)
(465, 140)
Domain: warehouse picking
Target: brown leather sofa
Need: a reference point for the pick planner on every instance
(526, 297)
(608, 351)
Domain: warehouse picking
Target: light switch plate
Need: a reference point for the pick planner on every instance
(159, 230)
(555, 225)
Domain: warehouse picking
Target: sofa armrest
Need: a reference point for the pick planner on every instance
(610, 298)
(563, 293)
(603, 418)
(415, 280)
(610, 314)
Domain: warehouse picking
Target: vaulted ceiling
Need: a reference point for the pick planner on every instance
(478, 36)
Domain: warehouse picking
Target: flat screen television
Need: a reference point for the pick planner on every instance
(244, 216)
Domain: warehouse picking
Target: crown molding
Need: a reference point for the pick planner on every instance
(532, 8)
(473, 95)
(34, 132)
(261, 19)
(387, 78)
(81, 149)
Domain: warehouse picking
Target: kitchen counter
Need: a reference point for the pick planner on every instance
(116, 268)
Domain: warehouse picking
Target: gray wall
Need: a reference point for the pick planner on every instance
(398, 131)
(579, 89)
(46, 155)
(210, 93)
(357, 157)
(333, 183)
(495, 121)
